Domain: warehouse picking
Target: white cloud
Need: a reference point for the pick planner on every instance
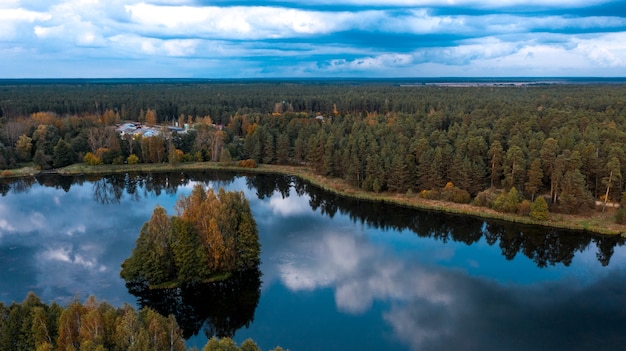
(151, 46)
(12, 14)
(473, 3)
(79, 229)
(59, 254)
(289, 206)
(253, 22)
(359, 272)
(5, 227)
(608, 50)
(14, 21)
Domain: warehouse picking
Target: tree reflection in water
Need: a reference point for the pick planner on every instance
(219, 308)
(545, 246)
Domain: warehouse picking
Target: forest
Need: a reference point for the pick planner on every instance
(95, 326)
(517, 149)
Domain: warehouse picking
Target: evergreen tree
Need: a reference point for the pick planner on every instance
(398, 180)
(496, 156)
(535, 178)
(64, 155)
(190, 257)
(514, 167)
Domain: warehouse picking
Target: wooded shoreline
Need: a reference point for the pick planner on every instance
(598, 224)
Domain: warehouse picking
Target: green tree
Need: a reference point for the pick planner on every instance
(249, 345)
(574, 197)
(614, 177)
(64, 155)
(223, 344)
(514, 167)
(535, 178)
(496, 156)
(507, 201)
(399, 175)
(190, 257)
(23, 148)
(548, 154)
(539, 209)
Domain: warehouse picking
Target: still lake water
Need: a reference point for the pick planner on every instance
(337, 274)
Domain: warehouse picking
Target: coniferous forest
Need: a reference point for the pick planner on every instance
(516, 148)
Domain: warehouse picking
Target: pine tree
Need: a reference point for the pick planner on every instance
(63, 155)
(535, 178)
(496, 155)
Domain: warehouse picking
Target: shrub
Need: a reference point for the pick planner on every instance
(539, 209)
(249, 163)
(430, 194)
(507, 201)
(119, 160)
(132, 159)
(523, 208)
(485, 198)
(454, 194)
(620, 216)
(92, 159)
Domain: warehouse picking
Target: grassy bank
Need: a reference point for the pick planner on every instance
(597, 222)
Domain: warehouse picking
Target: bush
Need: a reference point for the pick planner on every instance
(454, 194)
(92, 159)
(430, 194)
(539, 209)
(523, 208)
(132, 159)
(119, 160)
(485, 198)
(507, 201)
(620, 216)
(249, 163)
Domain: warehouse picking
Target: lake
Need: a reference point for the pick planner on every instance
(336, 273)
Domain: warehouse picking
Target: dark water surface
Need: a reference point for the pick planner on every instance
(336, 274)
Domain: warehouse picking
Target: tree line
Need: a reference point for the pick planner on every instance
(95, 326)
(560, 143)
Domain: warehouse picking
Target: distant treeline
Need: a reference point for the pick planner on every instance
(563, 142)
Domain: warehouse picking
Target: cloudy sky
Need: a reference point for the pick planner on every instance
(316, 38)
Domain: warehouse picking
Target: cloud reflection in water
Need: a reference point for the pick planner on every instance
(432, 307)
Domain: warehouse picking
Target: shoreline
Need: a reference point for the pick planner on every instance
(592, 224)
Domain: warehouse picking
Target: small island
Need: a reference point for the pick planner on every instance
(212, 236)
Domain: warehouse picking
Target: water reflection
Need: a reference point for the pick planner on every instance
(545, 246)
(360, 276)
(430, 306)
(220, 308)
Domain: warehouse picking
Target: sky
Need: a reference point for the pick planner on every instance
(315, 38)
